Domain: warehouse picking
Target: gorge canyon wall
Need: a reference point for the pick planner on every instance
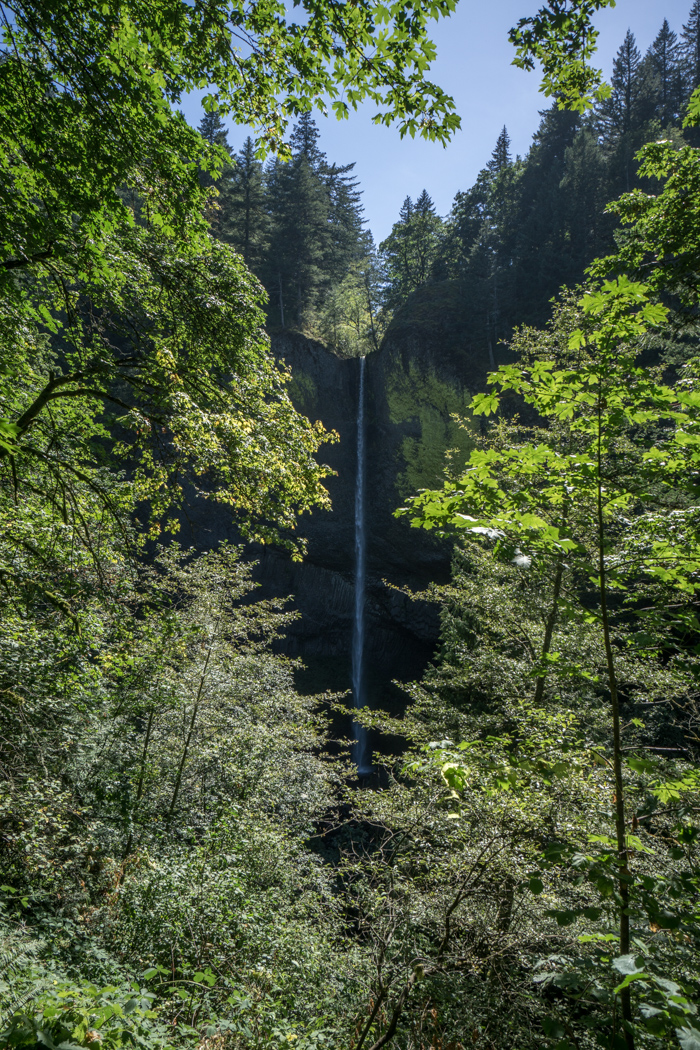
(423, 374)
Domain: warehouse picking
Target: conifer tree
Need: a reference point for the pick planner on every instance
(316, 221)
(411, 249)
(345, 219)
(463, 227)
(275, 273)
(406, 211)
(301, 239)
(619, 110)
(626, 116)
(690, 49)
(245, 222)
(546, 233)
(304, 141)
(213, 130)
(664, 57)
(500, 158)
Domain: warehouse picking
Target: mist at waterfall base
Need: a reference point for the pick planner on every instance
(360, 755)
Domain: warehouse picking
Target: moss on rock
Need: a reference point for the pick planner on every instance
(429, 405)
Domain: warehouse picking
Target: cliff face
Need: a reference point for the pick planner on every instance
(423, 374)
(401, 632)
(421, 378)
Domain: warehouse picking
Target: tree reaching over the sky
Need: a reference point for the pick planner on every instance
(245, 222)
(347, 234)
(315, 228)
(300, 239)
(304, 140)
(690, 48)
(411, 249)
(500, 158)
(213, 129)
(664, 54)
(619, 110)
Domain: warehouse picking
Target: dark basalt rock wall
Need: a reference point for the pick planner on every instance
(401, 632)
(422, 375)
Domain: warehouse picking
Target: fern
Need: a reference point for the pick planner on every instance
(18, 954)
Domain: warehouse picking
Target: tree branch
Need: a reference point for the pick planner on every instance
(13, 264)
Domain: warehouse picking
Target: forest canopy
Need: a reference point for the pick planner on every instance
(188, 857)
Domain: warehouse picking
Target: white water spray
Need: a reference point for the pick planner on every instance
(359, 751)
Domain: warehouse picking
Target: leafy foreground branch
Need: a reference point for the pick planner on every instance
(617, 448)
(181, 866)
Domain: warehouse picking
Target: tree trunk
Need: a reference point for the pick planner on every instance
(622, 854)
(139, 789)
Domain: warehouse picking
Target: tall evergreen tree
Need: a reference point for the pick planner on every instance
(500, 158)
(304, 141)
(544, 231)
(316, 220)
(664, 56)
(690, 49)
(412, 248)
(245, 222)
(276, 277)
(301, 239)
(345, 219)
(625, 118)
(406, 211)
(212, 128)
(619, 111)
(464, 226)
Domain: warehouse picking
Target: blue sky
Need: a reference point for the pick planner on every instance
(474, 65)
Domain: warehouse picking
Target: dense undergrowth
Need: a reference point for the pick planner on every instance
(183, 862)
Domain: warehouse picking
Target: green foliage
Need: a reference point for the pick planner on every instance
(411, 249)
(436, 404)
(561, 37)
(662, 227)
(65, 1015)
(582, 495)
(194, 397)
(155, 814)
(350, 321)
(244, 221)
(316, 244)
(576, 873)
(183, 862)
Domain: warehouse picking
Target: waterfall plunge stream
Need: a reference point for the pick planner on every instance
(359, 751)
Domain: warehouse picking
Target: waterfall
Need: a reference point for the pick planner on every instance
(359, 751)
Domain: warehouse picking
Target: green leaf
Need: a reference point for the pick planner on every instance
(485, 404)
(627, 964)
(564, 916)
(553, 1028)
(628, 980)
(667, 920)
(642, 765)
(689, 1038)
(668, 986)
